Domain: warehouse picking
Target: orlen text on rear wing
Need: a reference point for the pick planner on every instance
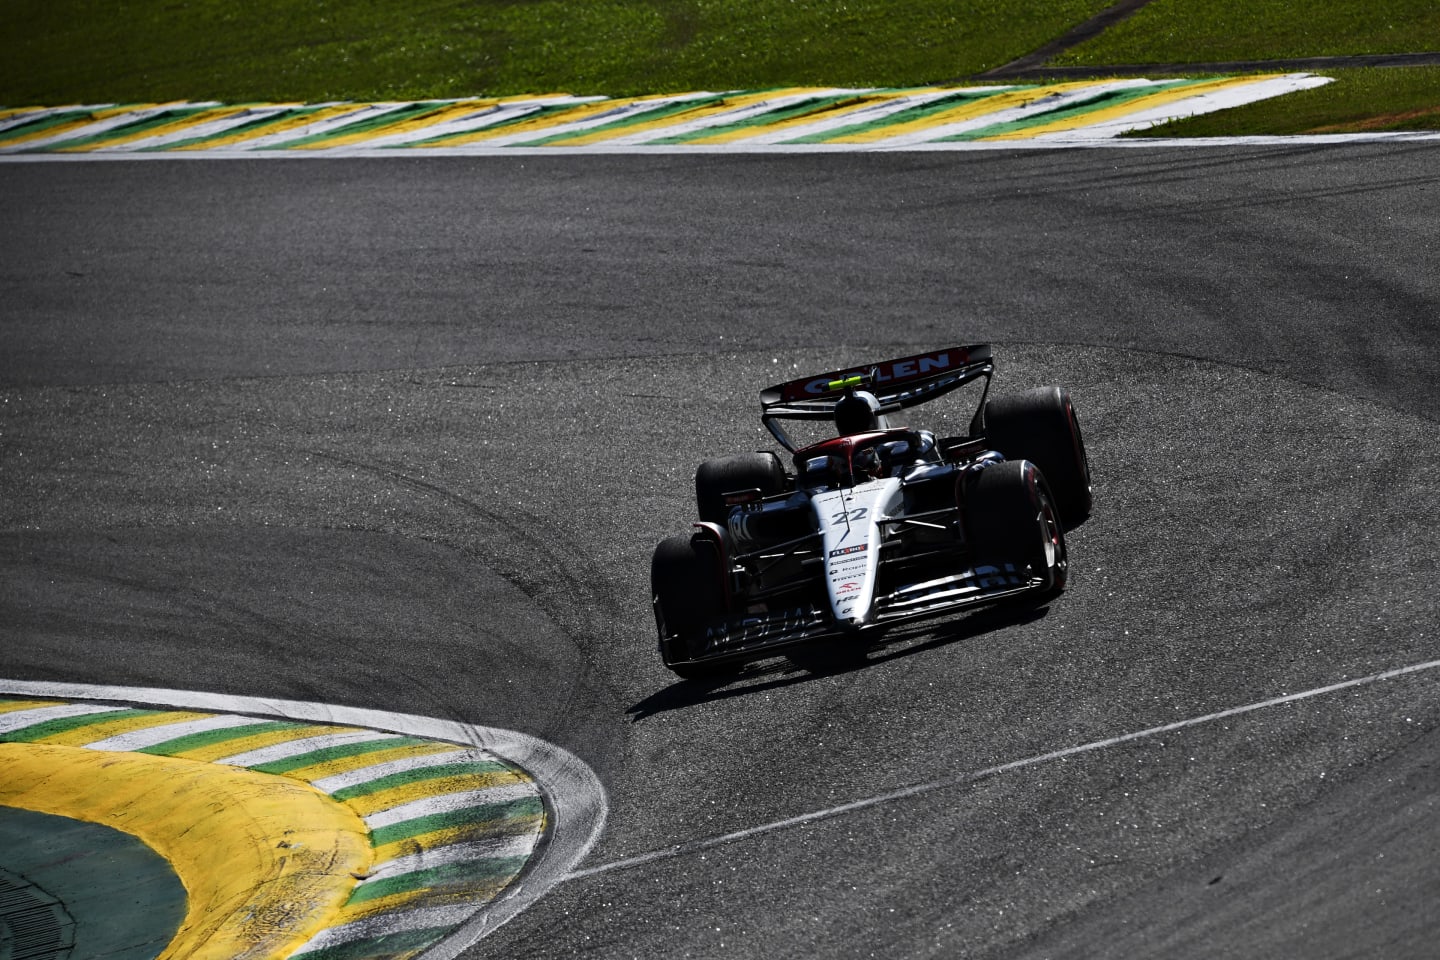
(897, 384)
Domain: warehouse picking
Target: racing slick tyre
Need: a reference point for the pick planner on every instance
(1041, 426)
(686, 586)
(745, 471)
(1011, 517)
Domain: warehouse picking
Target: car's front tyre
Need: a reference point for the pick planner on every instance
(688, 591)
(1011, 517)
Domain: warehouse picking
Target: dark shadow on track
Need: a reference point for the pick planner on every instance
(812, 664)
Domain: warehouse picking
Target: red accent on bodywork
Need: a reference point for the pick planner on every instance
(843, 449)
(844, 446)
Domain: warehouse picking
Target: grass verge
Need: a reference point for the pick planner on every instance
(1208, 31)
(101, 51)
(1359, 101)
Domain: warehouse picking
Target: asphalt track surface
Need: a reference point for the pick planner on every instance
(402, 433)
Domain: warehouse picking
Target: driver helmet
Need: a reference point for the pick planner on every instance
(857, 412)
(867, 464)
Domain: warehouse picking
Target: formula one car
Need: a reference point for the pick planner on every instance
(878, 525)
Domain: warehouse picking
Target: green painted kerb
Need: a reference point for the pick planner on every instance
(342, 752)
(380, 784)
(490, 820)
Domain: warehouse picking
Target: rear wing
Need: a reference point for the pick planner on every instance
(897, 384)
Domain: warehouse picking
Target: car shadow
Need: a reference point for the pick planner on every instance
(784, 671)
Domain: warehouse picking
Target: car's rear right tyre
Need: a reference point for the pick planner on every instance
(688, 589)
(1040, 426)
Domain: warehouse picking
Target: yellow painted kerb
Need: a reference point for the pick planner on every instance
(266, 861)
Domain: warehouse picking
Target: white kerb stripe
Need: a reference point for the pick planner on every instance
(294, 748)
(486, 116)
(427, 918)
(102, 126)
(30, 116)
(498, 848)
(351, 778)
(20, 719)
(448, 802)
(683, 127)
(150, 736)
(208, 128)
(359, 111)
(1222, 99)
(869, 113)
(618, 112)
(1037, 107)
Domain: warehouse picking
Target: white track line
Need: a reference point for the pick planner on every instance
(962, 779)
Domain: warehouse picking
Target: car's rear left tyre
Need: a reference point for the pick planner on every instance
(687, 586)
(1040, 426)
(1011, 518)
(746, 471)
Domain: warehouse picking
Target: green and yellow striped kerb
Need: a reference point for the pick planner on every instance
(292, 839)
(791, 118)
